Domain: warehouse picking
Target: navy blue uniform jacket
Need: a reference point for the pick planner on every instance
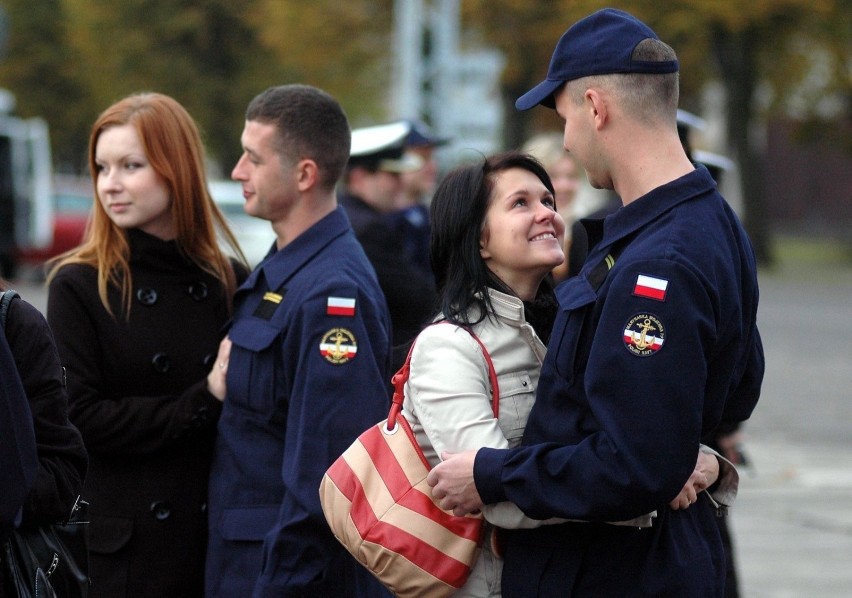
(637, 371)
(303, 382)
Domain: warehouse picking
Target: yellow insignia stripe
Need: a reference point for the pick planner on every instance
(610, 261)
(274, 297)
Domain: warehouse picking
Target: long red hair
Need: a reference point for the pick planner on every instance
(173, 146)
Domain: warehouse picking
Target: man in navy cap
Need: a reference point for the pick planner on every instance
(373, 186)
(654, 346)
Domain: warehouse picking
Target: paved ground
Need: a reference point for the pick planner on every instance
(792, 523)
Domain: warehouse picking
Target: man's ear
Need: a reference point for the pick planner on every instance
(308, 174)
(597, 105)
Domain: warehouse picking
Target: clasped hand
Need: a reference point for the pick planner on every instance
(453, 485)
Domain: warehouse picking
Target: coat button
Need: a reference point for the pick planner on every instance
(146, 296)
(161, 510)
(198, 291)
(209, 359)
(161, 363)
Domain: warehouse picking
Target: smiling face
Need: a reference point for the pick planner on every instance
(523, 234)
(131, 192)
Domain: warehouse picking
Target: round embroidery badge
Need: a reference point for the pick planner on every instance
(644, 335)
(338, 346)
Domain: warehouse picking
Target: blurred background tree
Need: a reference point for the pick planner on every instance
(761, 52)
(66, 60)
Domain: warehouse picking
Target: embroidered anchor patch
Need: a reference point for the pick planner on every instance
(338, 346)
(644, 335)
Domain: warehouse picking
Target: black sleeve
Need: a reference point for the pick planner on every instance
(62, 459)
(17, 443)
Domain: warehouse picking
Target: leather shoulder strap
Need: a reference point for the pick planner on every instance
(401, 377)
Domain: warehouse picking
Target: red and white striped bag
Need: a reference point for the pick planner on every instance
(379, 506)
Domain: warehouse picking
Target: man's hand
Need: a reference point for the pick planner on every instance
(703, 476)
(452, 483)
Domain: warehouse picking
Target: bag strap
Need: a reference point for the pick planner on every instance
(401, 377)
(6, 300)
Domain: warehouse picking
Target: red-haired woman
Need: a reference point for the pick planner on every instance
(137, 310)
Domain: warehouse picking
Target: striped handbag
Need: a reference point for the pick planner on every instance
(379, 506)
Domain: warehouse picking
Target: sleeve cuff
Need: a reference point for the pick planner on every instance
(724, 491)
(487, 474)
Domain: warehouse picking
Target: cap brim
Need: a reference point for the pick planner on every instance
(429, 142)
(540, 94)
(407, 163)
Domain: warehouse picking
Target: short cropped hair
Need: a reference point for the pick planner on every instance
(647, 97)
(310, 124)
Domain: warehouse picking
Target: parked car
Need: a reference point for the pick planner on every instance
(254, 235)
(72, 201)
(72, 204)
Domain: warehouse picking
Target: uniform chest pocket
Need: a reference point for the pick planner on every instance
(576, 298)
(253, 366)
(517, 395)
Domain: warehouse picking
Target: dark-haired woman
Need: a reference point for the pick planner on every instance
(496, 236)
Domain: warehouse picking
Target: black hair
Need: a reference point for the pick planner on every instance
(310, 123)
(457, 216)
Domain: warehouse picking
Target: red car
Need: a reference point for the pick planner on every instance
(72, 206)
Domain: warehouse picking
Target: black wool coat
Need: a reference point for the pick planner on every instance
(138, 393)
(62, 457)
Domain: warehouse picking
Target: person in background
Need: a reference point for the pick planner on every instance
(373, 186)
(567, 176)
(307, 361)
(62, 455)
(495, 240)
(18, 459)
(655, 344)
(728, 438)
(137, 311)
(62, 458)
(412, 217)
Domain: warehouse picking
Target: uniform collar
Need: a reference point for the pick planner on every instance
(281, 265)
(638, 213)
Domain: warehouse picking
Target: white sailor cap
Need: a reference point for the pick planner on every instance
(716, 164)
(382, 147)
(689, 120)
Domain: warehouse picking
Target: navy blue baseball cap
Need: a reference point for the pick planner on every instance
(600, 44)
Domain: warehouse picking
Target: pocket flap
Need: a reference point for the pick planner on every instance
(247, 523)
(514, 383)
(109, 534)
(252, 334)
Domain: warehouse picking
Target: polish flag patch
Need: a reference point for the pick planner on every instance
(340, 306)
(650, 287)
